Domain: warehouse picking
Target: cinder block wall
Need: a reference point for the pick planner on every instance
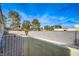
(42, 48)
(66, 37)
(37, 47)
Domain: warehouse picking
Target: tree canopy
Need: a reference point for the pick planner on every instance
(15, 17)
(35, 24)
(26, 26)
(47, 27)
(57, 26)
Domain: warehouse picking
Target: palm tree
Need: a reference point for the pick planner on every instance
(15, 17)
(26, 26)
(35, 24)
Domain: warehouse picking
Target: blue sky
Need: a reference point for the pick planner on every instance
(65, 14)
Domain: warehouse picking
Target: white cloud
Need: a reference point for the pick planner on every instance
(51, 20)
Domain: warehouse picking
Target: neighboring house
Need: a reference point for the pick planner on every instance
(61, 29)
(1, 26)
(72, 29)
(69, 29)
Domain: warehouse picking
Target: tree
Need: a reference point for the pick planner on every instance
(35, 24)
(57, 26)
(51, 28)
(26, 26)
(47, 27)
(41, 28)
(15, 17)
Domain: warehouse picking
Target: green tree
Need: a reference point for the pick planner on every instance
(41, 28)
(57, 26)
(51, 28)
(47, 27)
(35, 24)
(26, 26)
(15, 17)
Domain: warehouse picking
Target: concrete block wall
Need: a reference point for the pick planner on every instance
(37, 47)
(66, 37)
